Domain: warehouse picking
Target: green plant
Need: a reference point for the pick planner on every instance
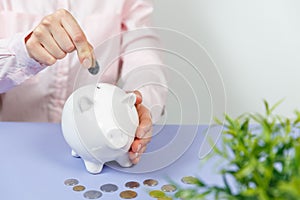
(263, 160)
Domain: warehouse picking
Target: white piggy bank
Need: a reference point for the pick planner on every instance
(99, 124)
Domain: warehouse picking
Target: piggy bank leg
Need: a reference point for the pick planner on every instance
(74, 154)
(93, 168)
(124, 160)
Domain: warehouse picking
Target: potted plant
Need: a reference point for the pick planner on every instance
(263, 159)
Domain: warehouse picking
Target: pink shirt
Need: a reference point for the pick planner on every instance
(32, 92)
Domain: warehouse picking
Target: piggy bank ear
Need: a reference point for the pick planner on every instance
(85, 104)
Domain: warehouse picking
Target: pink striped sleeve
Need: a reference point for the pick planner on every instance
(15, 64)
(142, 67)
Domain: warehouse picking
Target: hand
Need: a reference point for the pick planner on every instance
(55, 36)
(143, 133)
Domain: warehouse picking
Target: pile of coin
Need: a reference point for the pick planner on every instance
(162, 194)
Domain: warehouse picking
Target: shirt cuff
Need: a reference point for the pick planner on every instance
(24, 64)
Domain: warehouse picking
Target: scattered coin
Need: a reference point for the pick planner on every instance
(128, 194)
(92, 194)
(150, 182)
(168, 188)
(71, 182)
(157, 194)
(189, 180)
(132, 184)
(109, 188)
(94, 70)
(78, 188)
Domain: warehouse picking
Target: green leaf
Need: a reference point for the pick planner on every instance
(264, 161)
(276, 105)
(267, 108)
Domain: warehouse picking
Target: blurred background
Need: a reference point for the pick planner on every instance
(255, 46)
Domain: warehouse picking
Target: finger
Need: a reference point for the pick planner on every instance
(39, 53)
(63, 40)
(50, 44)
(136, 160)
(142, 150)
(145, 121)
(139, 98)
(138, 144)
(78, 38)
(134, 157)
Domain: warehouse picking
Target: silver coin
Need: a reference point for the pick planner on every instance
(132, 184)
(109, 188)
(150, 182)
(92, 194)
(168, 188)
(94, 70)
(71, 182)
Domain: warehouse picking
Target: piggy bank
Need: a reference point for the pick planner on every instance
(99, 124)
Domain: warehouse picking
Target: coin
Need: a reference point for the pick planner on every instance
(78, 188)
(128, 194)
(71, 182)
(94, 70)
(92, 194)
(132, 184)
(168, 188)
(109, 188)
(157, 194)
(150, 182)
(189, 180)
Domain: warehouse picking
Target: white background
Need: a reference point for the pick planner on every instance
(255, 45)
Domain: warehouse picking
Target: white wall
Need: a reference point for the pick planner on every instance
(255, 45)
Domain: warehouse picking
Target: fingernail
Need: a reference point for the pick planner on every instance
(87, 63)
(139, 147)
(136, 154)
